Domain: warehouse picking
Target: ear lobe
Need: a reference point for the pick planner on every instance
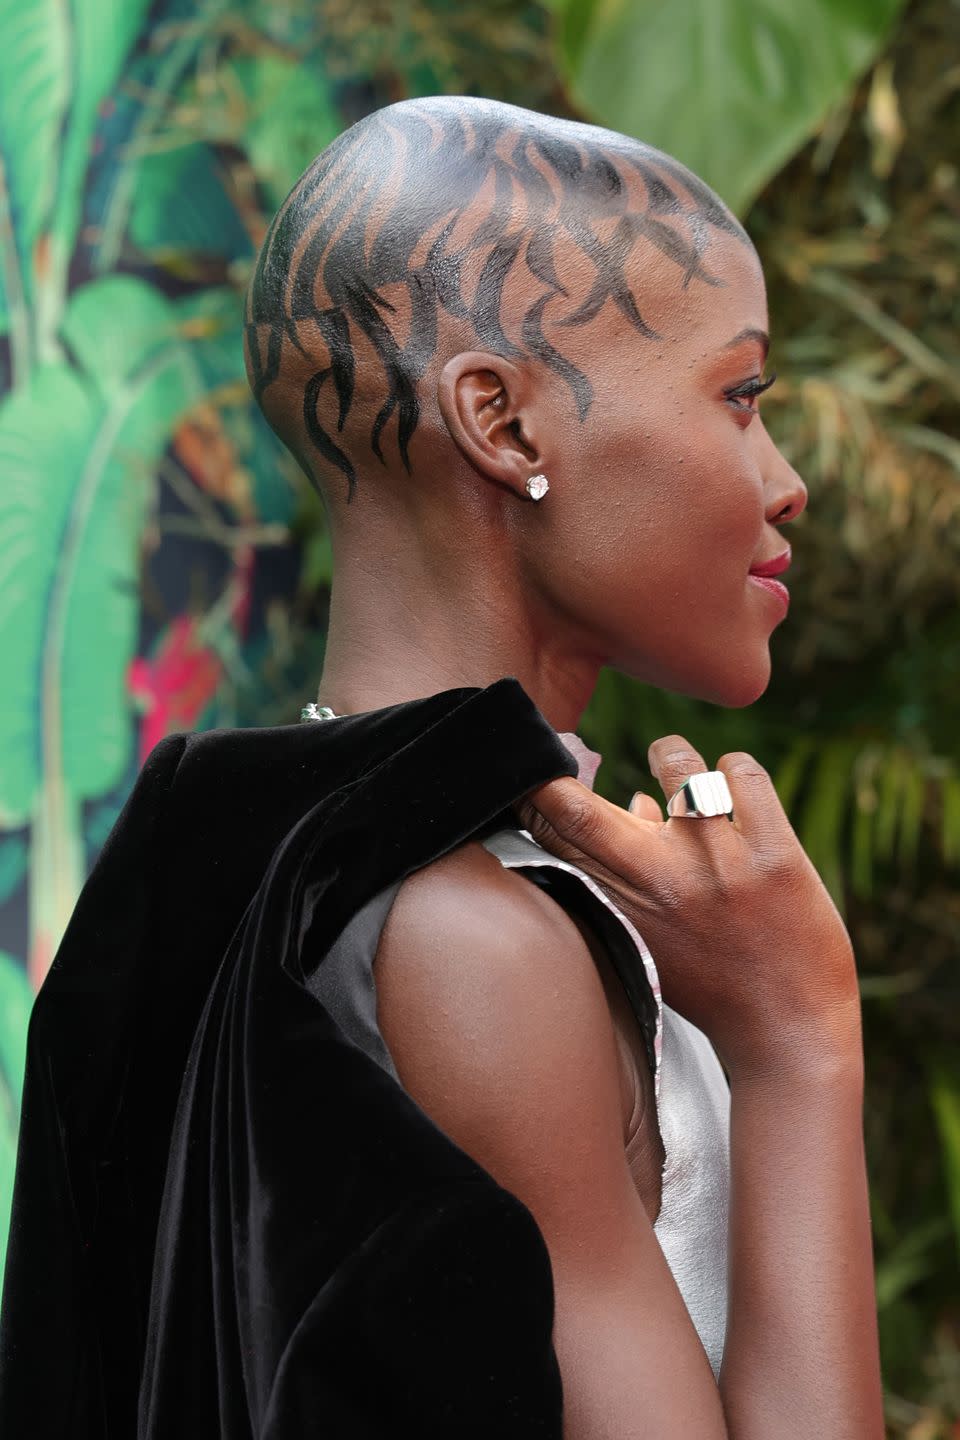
(481, 398)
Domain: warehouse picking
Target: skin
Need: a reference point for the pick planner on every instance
(663, 474)
(751, 948)
(665, 489)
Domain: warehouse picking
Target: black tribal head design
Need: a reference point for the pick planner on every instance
(423, 213)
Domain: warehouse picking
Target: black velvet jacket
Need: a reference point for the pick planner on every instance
(229, 1221)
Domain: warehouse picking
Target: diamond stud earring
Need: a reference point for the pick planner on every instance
(537, 486)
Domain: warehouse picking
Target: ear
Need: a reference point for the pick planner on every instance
(487, 405)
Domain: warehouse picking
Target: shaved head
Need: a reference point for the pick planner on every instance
(442, 224)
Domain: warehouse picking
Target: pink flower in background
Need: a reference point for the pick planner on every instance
(174, 686)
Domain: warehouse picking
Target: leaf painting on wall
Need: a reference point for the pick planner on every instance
(57, 63)
(174, 685)
(78, 447)
(16, 998)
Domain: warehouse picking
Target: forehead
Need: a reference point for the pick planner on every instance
(622, 295)
(628, 236)
(708, 314)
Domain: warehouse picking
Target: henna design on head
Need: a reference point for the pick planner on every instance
(359, 223)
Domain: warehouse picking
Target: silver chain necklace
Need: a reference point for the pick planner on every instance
(314, 712)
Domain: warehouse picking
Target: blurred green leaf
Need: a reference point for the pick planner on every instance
(34, 98)
(950, 819)
(861, 852)
(71, 512)
(912, 809)
(732, 90)
(891, 780)
(16, 1000)
(13, 864)
(58, 61)
(180, 204)
(791, 770)
(944, 1073)
(211, 319)
(825, 809)
(156, 80)
(292, 116)
(101, 35)
(908, 1261)
(5, 257)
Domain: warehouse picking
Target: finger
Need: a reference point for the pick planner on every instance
(672, 760)
(575, 824)
(760, 816)
(645, 807)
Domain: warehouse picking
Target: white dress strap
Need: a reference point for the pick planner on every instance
(693, 1108)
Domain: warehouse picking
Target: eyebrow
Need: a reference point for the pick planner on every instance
(760, 336)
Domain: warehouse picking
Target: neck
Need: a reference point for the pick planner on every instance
(417, 628)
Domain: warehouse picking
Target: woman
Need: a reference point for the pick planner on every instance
(461, 305)
(521, 359)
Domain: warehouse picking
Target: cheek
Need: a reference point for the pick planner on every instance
(699, 499)
(668, 493)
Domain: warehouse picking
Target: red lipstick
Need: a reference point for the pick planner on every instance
(776, 566)
(763, 574)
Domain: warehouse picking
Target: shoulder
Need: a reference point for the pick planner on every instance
(469, 893)
(491, 1005)
(466, 920)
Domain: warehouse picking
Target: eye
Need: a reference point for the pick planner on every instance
(742, 397)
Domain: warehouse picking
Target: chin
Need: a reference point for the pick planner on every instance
(733, 685)
(736, 691)
(733, 688)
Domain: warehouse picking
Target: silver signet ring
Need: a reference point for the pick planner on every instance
(701, 796)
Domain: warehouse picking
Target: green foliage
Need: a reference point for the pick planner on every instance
(865, 806)
(34, 97)
(98, 39)
(148, 91)
(181, 204)
(291, 116)
(71, 511)
(732, 90)
(945, 1099)
(16, 999)
(58, 61)
(908, 1261)
(13, 864)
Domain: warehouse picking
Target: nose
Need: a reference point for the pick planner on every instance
(784, 491)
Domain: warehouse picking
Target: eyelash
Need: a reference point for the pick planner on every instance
(749, 390)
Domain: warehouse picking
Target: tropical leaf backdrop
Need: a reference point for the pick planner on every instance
(163, 564)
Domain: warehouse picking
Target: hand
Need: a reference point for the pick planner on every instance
(747, 941)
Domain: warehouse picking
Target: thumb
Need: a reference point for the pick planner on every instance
(579, 825)
(571, 821)
(554, 801)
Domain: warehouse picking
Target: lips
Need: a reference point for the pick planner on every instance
(774, 587)
(776, 566)
(763, 574)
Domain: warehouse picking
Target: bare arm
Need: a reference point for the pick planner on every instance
(492, 1008)
(801, 1357)
(750, 948)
